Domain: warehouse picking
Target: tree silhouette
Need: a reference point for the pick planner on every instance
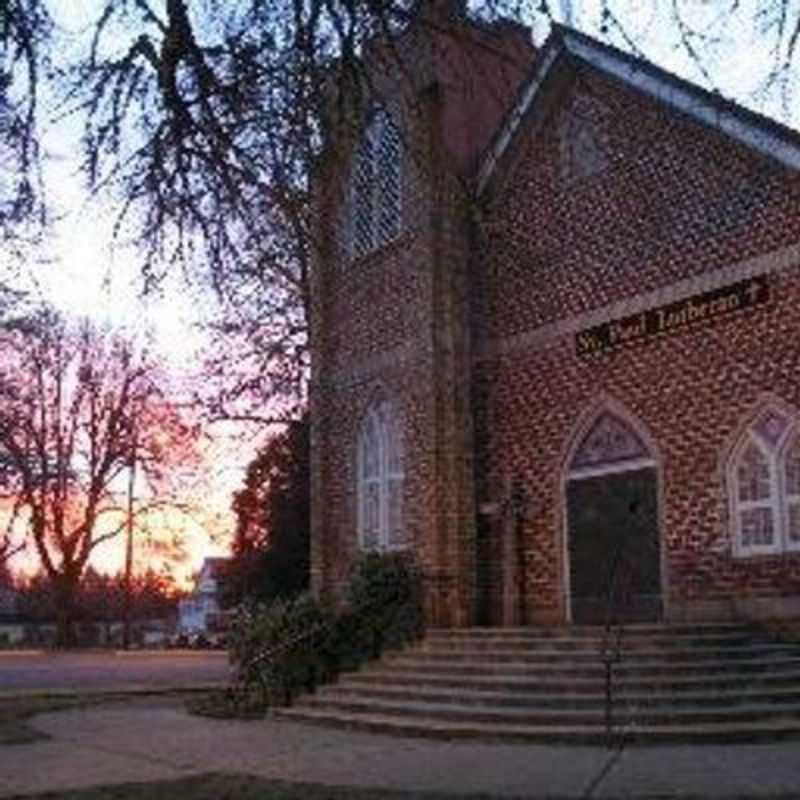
(271, 544)
(78, 406)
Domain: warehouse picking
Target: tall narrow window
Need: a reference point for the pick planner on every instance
(756, 494)
(765, 486)
(375, 185)
(380, 480)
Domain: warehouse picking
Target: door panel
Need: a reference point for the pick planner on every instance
(614, 548)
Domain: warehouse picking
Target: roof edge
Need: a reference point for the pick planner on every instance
(760, 133)
(542, 66)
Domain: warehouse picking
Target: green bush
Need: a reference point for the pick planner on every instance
(294, 645)
(385, 598)
(280, 649)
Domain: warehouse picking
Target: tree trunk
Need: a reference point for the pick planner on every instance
(66, 589)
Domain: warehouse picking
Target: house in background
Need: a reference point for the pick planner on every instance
(200, 612)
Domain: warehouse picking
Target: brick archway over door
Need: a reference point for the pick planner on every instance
(613, 538)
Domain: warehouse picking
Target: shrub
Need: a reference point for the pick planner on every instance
(294, 645)
(385, 598)
(280, 649)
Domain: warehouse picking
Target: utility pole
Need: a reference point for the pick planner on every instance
(126, 631)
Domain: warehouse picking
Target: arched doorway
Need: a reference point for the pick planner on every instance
(613, 541)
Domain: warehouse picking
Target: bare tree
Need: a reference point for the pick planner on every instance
(207, 122)
(25, 29)
(77, 407)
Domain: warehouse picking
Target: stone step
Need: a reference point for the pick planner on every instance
(676, 683)
(501, 654)
(487, 697)
(579, 685)
(624, 668)
(572, 645)
(701, 630)
(538, 716)
(720, 733)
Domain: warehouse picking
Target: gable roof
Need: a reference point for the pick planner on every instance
(756, 131)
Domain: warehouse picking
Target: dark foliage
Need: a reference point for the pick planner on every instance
(99, 602)
(294, 645)
(384, 596)
(271, 548)
(25, 30)
(282, 649)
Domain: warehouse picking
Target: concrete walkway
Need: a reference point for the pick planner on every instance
(116, 744)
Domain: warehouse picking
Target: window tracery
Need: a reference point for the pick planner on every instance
(380, 480)
(376, 185)
(609, 441)
(765, 490)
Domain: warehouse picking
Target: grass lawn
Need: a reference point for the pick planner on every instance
(217, 786)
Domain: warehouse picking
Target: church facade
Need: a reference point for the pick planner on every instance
(556, 338)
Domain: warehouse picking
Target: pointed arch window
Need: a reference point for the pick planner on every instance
(375, 190)
(582, 150)
(765, 486)
(380, 480)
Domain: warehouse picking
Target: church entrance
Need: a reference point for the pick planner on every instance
(613, 543)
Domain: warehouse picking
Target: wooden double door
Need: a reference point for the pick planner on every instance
(614, 548)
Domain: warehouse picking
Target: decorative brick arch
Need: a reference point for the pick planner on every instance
(766, 404)
(607, 442)
(607, 438)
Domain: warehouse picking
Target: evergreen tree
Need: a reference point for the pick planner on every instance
(271, 548)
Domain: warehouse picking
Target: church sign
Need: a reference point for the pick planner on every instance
(673, 317)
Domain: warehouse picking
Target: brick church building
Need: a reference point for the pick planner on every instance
(556, 335)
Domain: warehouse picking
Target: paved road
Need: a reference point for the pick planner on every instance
(94, 670)
(154, 741)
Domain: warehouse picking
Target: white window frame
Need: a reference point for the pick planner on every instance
(390, 471)
(367, 156)
(778, 501)
(787, 500)
(772, 502)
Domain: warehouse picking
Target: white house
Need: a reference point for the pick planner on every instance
(197, 612)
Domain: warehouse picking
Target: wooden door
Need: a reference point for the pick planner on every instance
(614, 548)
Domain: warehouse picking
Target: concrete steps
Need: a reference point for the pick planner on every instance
(689, 683)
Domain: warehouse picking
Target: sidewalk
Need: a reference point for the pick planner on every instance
(157, 741)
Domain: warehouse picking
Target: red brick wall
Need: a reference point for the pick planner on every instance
(674, 201)
(396, 321)
(447, 322)
(391, 322)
